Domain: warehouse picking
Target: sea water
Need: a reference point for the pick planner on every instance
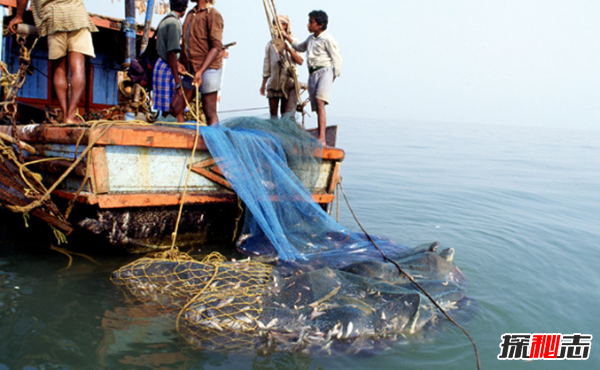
(520, 206)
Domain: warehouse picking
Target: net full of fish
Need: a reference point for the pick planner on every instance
(252, 306)
(310, 284)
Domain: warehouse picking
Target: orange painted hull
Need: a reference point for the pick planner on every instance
(136, 178)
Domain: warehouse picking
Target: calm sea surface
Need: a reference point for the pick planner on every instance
(521, 207)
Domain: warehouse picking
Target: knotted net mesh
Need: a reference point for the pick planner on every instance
(325, 289)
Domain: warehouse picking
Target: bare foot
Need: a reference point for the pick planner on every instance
(75, 119)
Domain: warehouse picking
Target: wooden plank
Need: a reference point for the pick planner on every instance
(213, 177)
(12, 192)
(217, 170)
(211, 171)
(152, 200)
(149, 136)
(323, 198)
(204, 163)
(115, 201)
(99, 166)
(334, 177)
(46, 134)
(56, 166)
(84, 197)
(133, 135)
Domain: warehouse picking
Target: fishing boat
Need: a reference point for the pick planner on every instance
(119, 180)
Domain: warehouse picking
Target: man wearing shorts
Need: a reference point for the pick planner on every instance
(68, 27)
(324, 64)
(201, 54)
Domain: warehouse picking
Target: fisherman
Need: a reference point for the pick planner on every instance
(278, 81)
(324, 63)
(68, 27)
(202, 56)
(168, 45)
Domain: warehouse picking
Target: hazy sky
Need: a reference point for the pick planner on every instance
(522, 62)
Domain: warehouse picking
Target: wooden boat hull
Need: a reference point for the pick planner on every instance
(137, 175)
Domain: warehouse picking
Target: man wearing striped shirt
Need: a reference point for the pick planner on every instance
(68, 27)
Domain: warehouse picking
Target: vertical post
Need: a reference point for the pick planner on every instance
(129, 30)
(89, 83)
(1, 35)
(147, 25)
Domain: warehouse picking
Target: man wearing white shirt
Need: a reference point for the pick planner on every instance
(324, 64)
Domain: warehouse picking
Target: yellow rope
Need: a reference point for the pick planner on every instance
(174, 235)
(48, 192)
(206, 286)
(69, 253)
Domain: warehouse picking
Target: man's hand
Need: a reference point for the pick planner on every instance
(198, 79)
(12, 25)
(18, 18)
(181, 69)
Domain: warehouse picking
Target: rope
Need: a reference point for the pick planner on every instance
(48, 192)
(206, 286)
(197, 114)
(242, 110)
(278, 39)
(412, 280)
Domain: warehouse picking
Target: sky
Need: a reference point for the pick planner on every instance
(516, 62)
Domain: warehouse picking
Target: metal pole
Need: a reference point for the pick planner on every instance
(1, 34)
(129, 30)
(147, 25)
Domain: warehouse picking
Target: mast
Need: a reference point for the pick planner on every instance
(1, 34)
(147, 25)
(129, 30)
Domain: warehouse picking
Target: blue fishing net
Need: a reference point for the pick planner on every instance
(263, 160)
(330, 290)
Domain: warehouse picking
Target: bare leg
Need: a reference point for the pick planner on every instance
(209, 104)
(322, 120)
(61, 87)
(284, 106)
(178, 103)
(77, 65)
(273, 105)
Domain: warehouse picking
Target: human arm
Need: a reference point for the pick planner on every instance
(296, 45)
(333, 50)
(263, 87)
(18, 18)
(211, 57)
(297, 58)
(173, 63)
